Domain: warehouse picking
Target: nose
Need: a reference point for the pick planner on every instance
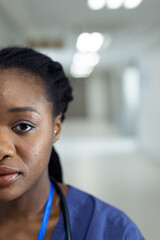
(7, 149)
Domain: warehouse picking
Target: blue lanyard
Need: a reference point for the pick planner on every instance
(46, 215)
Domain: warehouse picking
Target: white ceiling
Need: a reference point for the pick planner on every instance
(133, 31)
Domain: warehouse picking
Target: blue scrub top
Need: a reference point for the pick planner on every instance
(92, 219)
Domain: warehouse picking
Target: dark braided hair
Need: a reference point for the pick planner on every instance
(57, 86)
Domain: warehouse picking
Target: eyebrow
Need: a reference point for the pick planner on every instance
(23, 109)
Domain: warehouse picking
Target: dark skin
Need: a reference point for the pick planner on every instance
(27, 132)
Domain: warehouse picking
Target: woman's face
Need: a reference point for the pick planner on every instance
(26, 133)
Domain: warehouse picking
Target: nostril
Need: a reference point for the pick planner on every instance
(6, 156)
(3, 157)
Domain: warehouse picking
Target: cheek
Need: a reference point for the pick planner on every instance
(35, 154)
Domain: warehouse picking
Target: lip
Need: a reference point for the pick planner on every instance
(8, 176)
(6, 171)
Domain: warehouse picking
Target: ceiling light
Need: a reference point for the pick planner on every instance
(87, 42)
(83, 42)
(114, 4)
(96, 4)
(96, 41)
(80, 71)
(86, 59)
(132, 3)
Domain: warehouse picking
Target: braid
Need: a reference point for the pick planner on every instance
(55, 169)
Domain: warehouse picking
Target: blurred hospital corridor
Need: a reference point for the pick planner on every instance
(115, 170)
(110, 51)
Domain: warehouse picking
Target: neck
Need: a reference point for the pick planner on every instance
(31, 204)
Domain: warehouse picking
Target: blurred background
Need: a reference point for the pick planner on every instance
(110, 50)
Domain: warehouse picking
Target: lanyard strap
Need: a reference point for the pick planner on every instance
(47, 213)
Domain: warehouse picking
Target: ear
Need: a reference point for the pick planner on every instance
(57, 127)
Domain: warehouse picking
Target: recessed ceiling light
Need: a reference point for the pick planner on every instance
(86, 59)
(132, 3)
(114, 4)
(89, 42)
(96, 4)
(80, 71)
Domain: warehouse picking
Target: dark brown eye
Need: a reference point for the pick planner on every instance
(23, 127)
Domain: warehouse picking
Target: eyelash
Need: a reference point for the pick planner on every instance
(23, 131)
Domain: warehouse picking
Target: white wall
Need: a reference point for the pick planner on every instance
(96, 96)
(150, 109)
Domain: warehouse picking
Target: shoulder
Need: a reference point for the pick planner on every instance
(98, 220)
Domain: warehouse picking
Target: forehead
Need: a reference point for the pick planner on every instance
(20, 88)
(13, 78)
